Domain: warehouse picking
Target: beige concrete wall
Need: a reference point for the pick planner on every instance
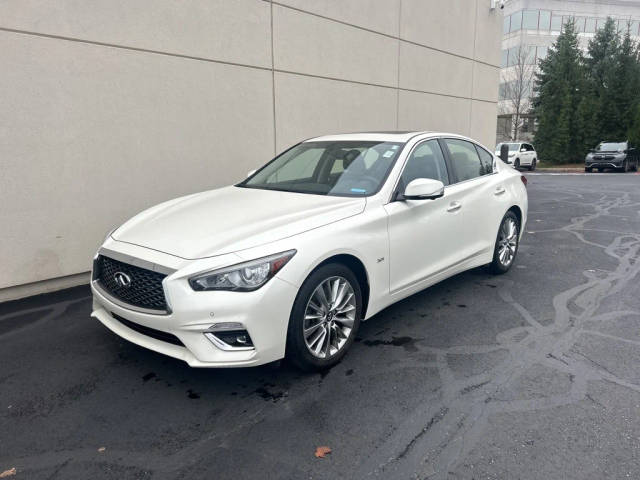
(108, 107)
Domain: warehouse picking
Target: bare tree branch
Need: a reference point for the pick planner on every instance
(518, 83)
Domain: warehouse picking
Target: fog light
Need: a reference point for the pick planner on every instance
(231, 339)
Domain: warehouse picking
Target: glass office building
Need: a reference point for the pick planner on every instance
(532, 26)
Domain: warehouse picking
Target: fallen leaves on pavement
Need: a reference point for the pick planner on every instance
(102, 449)
(321, 452)
(8, 473)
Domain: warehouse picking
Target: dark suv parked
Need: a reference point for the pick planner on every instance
(618, 155)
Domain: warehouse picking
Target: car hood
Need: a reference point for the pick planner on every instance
(230, 219)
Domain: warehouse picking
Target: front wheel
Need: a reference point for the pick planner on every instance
(532, 167)
(588, 169)
(325, 318)
(516, 164)
(507, 241)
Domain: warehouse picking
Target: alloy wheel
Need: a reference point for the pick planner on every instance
(508, 241)
(329, 317)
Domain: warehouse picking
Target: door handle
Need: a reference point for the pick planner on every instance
(454, 207)
(499, 191)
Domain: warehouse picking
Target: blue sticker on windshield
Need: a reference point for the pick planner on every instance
(358, 190)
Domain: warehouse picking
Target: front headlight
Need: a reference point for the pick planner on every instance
(242, 277)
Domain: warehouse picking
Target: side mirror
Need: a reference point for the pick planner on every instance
(424, 189)
(251, 172)
(523, 149)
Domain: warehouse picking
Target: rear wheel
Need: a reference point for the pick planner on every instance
(507, 241)
(532, 167)
(325, 318)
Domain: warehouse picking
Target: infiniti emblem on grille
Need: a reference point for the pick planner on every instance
(122, 279)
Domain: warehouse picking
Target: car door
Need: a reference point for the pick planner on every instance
(525, 154)
(478, 194)
(420, 231)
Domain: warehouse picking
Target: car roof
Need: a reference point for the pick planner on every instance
(400, 136)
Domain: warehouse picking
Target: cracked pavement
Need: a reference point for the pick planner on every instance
(531, 375)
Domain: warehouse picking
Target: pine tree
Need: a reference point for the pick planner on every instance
(634, 130)
(602, 66)
(625, 92)
(559, 83)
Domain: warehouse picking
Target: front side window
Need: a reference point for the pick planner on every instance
(426, 161)
(486, 159)
(464, 157)
(341, 168)
(556, 22)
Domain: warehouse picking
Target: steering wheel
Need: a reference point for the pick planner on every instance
(356, 181)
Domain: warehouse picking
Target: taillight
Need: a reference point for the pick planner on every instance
(524, 180)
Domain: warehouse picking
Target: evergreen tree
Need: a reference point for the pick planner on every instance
(581, 101)
(558, 88)
(625, 92)
(634, 130)
(602, 66)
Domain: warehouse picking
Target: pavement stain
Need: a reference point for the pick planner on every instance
(192, 395)
(408, 343)
(271, 396)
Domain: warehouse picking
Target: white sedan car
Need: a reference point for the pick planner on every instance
(520, 155)
(290, 260)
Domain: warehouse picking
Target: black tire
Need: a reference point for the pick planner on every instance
(625, 167)
(532, 167)
(600, 169)
(516, 164)
(588, 169)
(497, 266)
(297, 351)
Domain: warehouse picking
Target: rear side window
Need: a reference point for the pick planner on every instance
(426, 161)
(486, 159)
(465, 159)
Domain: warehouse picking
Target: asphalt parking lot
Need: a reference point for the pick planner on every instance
(531, 375)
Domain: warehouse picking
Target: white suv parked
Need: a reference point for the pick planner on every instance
(520, 155)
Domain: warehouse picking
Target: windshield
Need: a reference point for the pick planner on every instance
(611, 147)
(513, 147)
(342, 168)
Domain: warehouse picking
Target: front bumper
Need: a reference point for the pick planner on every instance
(264, 313)
(615, 163)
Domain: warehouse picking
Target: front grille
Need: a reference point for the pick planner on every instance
(144, 289)
(149, 332)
